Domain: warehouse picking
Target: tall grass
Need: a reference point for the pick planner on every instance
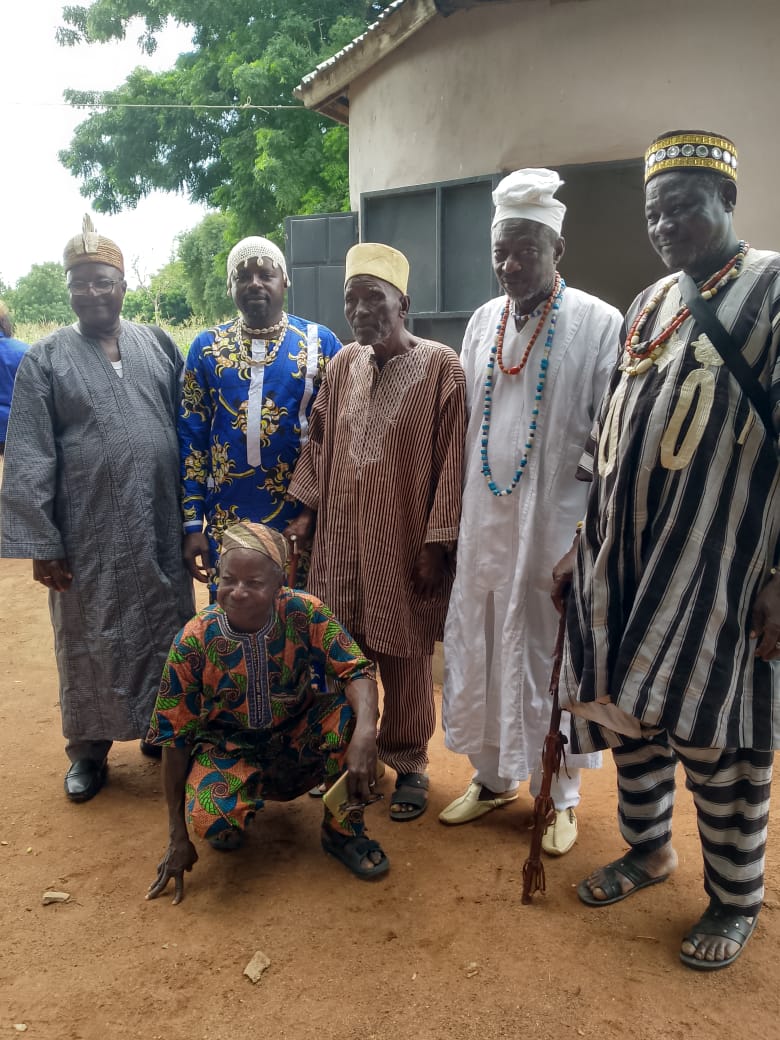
(182, 335)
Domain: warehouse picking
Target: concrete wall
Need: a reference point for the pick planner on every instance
(545, 84)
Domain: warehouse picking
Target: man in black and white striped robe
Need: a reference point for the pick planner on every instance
(674, 622)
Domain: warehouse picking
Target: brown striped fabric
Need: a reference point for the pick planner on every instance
(383, 470)
(408, 711)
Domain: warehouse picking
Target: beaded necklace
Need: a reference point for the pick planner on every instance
(555, 306)
(273, 334)
(644, 354)
(516, 369)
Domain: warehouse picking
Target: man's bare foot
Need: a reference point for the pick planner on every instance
(717, 938)
(617, 880)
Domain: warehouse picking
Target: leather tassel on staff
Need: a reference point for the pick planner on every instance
(553, 756)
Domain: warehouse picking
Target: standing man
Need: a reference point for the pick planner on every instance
(380, 477)
(90, 493)
(11, 353)
(249, 386)
(537, 360)
(674, 624)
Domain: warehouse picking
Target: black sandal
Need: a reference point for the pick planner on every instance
(723, 923)
(351, 851)
(410, 789)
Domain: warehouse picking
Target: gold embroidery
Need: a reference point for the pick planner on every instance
(608, 440)
(704, 380)
(705, 352)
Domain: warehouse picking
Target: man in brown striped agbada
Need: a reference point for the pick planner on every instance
(380, 480)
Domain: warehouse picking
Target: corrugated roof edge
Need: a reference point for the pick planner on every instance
(324, 89)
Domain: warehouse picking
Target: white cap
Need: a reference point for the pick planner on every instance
(255, 248)
(528, 195)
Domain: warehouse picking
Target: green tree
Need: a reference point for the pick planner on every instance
(164, 299)
(259, 166)
(203, 252)
(41, 296)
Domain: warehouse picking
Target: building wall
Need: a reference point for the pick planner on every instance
(544, 84)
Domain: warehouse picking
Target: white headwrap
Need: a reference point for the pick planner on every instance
(255, 248)
(528, 195)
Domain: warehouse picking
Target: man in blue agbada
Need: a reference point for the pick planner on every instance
(249, 387)
(11, 353)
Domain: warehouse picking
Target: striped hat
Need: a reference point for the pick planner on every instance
(91, 248)
(691, 150)
(257, 538)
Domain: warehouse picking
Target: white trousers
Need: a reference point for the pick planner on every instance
(565, 789)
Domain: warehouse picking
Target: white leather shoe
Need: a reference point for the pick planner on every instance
(468, 807)
(561, 833)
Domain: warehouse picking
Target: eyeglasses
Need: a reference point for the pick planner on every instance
(100, 286)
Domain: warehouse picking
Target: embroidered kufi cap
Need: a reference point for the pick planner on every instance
(381, 261)
(257, 538)
(255, 248)
(529, 195)
(91, 248)
(691, 150)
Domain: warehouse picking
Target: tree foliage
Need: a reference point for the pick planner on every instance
(41, 295)
(203, 253)
(257, 166)
(163, 300)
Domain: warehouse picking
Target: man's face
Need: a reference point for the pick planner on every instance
(96, 295)
(247, 587)
(688, 220)
(525, 254)
(374, 309)
(257, 288)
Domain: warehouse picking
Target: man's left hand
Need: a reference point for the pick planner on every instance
(430, 569)
(180, 855)
(361, 763)
(765, 621)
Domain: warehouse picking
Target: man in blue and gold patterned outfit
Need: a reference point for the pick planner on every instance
(249, 386)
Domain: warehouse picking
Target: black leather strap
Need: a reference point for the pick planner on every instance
(728, 350)
(164, 340)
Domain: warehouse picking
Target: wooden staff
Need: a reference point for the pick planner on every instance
(552, 757)
(292, 566)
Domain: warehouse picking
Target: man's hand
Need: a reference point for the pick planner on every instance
(361, 763)
(765, 621)
(197, 556)
(180, 856)
(53, 574)
(300, 531)
(562, 576)
(430, 569)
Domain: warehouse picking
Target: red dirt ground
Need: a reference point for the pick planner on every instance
(350, 960)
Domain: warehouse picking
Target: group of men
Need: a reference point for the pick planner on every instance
(627, 479)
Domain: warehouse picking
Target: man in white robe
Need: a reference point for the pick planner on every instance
(530, 414)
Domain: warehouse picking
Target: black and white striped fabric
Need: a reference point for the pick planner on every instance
(731, 791)
(681, 531)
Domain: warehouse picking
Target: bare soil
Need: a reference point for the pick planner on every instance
(350, 960)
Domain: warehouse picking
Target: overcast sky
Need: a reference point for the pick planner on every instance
(41, 204)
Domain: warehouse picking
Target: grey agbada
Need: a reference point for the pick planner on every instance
(93, 477)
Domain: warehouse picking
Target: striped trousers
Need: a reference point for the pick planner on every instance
(408, 711)
(731, 791)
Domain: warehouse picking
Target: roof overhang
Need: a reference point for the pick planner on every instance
(326, 88)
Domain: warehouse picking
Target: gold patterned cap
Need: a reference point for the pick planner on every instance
(91, 248)
(381, 261)
(691, 150)
(259, 538)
